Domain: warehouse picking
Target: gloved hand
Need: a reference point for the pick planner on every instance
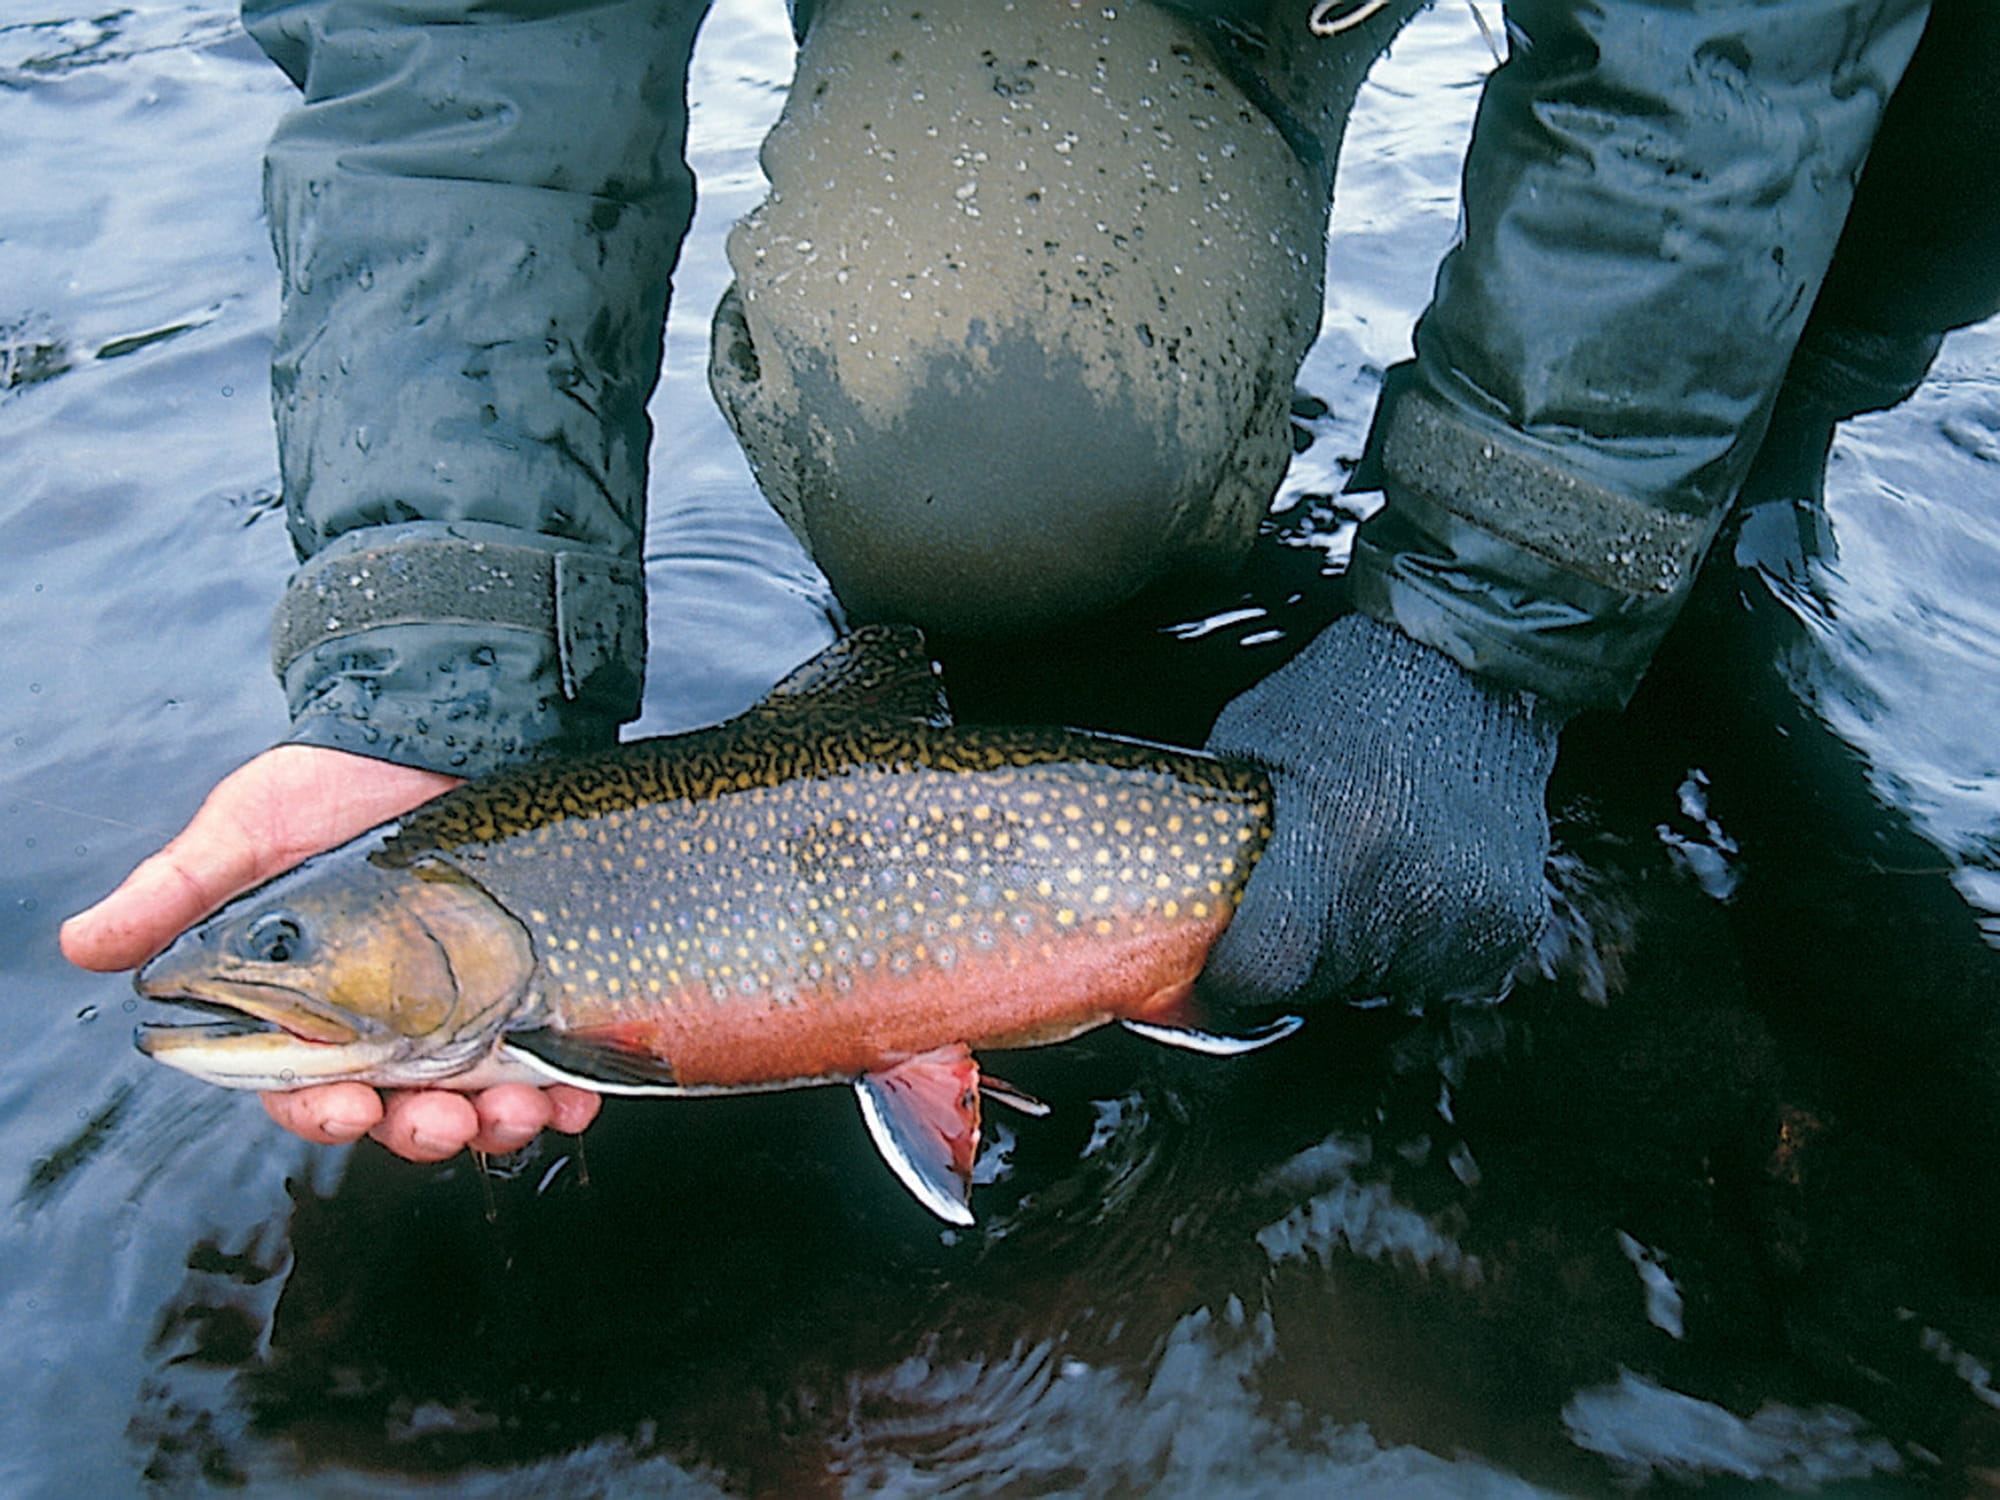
(1411, 829)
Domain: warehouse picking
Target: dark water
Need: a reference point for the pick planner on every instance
(1710, 1206)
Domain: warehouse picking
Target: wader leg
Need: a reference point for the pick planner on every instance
(1013, 337)
(1920, 254)
(476, 206)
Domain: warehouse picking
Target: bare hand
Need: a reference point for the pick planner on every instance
(263, 818)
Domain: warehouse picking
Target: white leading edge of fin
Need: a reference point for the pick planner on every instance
(1211, 1044)
(927, 1190)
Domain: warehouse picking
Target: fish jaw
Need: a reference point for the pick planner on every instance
(226, 1055)
(230, 1057)
(280, 1006)
(278, 1038)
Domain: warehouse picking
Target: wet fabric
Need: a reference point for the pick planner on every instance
(1921, 250)
(476, 210)
(1652, 198)
(1013, 338)
(1920, 253)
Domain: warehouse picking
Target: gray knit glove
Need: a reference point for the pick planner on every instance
(1411, 832)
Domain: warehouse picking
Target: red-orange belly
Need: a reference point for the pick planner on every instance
(1014, 995)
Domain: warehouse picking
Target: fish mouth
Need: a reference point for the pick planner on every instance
(248, 1008)
(228, 1023)
(262, 1039)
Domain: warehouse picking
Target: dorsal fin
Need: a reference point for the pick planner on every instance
(876, 672)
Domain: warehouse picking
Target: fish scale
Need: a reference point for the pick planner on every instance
(839, 885)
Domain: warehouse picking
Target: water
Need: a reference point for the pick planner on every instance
(1711, 1205)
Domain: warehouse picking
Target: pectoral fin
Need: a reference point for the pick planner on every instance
(924, 1116)
(592, 1062)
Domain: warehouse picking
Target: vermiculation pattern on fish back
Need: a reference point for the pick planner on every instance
(765, 875)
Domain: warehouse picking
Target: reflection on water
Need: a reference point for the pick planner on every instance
(1709, 1202)
(1900, 616)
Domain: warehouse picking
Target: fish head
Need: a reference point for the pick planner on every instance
(349, 967)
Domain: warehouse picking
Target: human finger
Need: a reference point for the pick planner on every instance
(572, 1109)
(510, 1115)
(166, 892)
(329, 1114)
(426, 1124)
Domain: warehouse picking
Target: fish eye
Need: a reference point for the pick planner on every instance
(274, 938)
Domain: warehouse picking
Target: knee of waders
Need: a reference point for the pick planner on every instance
(1013, 337)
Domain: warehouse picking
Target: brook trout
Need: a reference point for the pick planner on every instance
(838, 886)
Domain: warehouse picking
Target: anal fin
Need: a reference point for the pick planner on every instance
(923, 1114)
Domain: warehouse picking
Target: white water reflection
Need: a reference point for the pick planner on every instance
(1650, 1432)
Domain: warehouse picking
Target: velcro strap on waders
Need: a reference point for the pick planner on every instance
(1538, 505)
(590, 604)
